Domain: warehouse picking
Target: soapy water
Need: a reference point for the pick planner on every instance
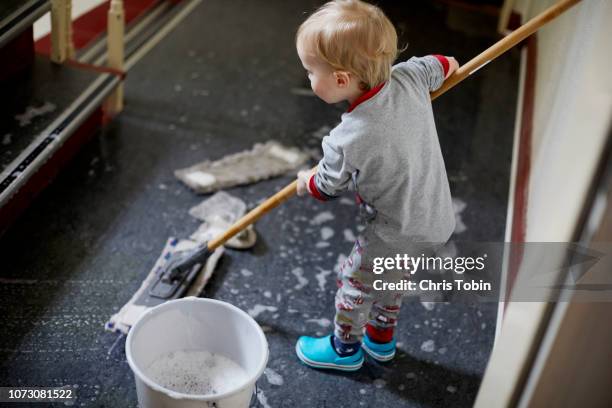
(197, 372)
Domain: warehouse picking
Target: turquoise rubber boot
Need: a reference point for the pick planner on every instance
(381, 352)
(319, 352)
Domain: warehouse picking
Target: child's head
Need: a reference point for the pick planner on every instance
(347, 46)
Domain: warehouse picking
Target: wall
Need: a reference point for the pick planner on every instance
(573, 100)
(572, 106)
(42, 26)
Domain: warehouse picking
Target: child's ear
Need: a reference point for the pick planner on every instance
(342, 78)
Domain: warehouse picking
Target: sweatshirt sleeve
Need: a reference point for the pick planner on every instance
(428, 72)
(333, 174)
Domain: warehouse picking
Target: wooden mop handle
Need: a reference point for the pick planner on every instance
(503, 45)
(462, 72)
(255, 214)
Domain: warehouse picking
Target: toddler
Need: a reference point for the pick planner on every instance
(386, 149)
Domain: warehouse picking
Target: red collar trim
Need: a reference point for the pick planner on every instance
(365, 96)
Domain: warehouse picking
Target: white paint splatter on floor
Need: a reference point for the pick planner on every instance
(452, 389)
(273, 377)
(258, 309)
(322, 277)
(322, 244)
(302, 281)
(322, 217)
(261, 397)
(246, 272)
(267, 294)
(428, 305)
(6, 139)
(411, 376)
(323, 322)
(349, 235)
(379, 383)
(428, 346)
(347, 201)
(459, 206)
(32, 112)
(326, 233)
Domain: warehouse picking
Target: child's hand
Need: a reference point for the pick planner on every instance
(303, 177)
(452, 66)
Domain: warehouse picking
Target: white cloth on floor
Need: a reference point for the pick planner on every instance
(263, 161)
(129, 314)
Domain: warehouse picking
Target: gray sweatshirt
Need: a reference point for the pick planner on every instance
(387, 149)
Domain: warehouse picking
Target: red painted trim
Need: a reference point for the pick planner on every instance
(444, 61)
(91, 25)
(365, 96)
(313, 190)
(521, 189)
(48, 171)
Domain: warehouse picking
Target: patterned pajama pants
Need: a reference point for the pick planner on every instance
(357, 303)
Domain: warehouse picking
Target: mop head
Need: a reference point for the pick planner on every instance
(218, 213)
(263, 161)
(129, 314)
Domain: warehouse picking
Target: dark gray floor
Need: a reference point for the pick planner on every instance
(219, 83)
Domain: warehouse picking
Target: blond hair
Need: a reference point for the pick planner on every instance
(353, 36)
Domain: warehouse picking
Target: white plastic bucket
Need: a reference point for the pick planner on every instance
(196, 324)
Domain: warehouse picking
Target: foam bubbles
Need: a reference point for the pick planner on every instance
(428, 346)
(322, 217)
(197, 372)
(299, 274)
(326, 233)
